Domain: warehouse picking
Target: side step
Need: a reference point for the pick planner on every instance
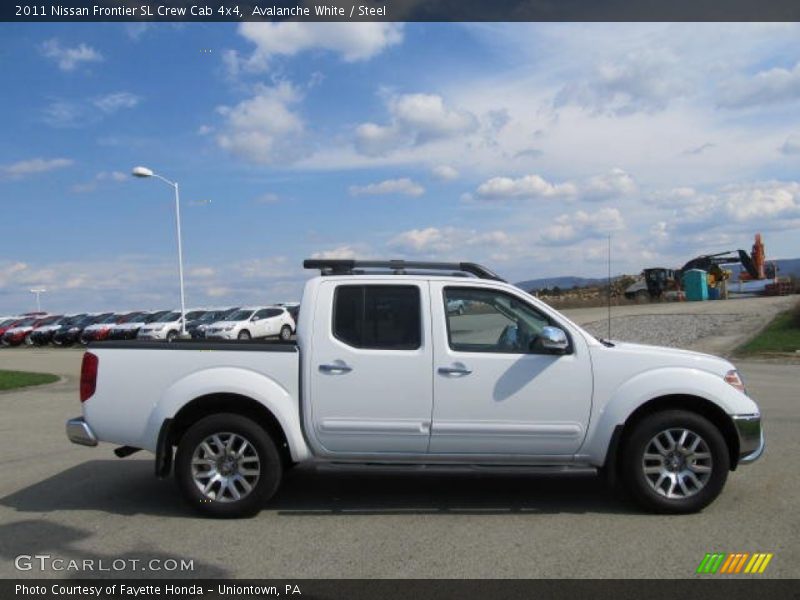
(459, 468)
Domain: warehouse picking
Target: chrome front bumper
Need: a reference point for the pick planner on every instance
(79, 432)
(751, 437)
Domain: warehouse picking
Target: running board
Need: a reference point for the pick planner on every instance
(459, 468)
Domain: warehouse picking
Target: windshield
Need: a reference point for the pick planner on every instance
(132, 318)
(195, 314)
(240, 315)
(26, 322)
(7, 322)
(170, 317)
(51, 320)
(156, 317)
(108, 320)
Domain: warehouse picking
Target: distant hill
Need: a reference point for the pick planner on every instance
(565, 283)
(786, 267)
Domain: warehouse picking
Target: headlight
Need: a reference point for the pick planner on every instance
(229, 328)
(733, 378)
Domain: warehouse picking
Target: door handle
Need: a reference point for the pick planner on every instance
(460, 370)
(335, 368)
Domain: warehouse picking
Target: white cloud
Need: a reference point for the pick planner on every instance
(614, 184)
(528, 186)
(445, 173)
(268, 198)
(791, 147)
(569, 228)
(415, 120)
(68, 59)
(264, 129)
(352, 41)
(772, 86)
(103, 176)
(338, 252)
(447, 240)
(646, 80)
(403, 186)
(762, 201)
(33, 166)
(111, 103)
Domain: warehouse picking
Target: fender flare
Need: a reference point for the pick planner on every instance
(646, 387)
(232, 380)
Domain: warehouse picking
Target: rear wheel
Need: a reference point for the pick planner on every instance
(286, 333)
(675, 462)
(227, 466)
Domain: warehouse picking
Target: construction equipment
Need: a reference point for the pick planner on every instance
(660, 280)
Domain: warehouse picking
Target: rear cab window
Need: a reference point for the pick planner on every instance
(378, 317)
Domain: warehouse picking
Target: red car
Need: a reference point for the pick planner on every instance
(9, 323)
(16, 334)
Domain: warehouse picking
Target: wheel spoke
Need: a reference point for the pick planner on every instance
(677, 463)
(682, 440)
(225, 467)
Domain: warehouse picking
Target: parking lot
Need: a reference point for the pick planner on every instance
(84, 503)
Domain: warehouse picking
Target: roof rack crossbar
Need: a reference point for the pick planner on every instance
(344, 266)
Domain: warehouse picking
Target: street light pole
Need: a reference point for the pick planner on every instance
(145, 172)
(38, 292)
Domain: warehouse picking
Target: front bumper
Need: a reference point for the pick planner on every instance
(221, 335)
(751, 437)
(79, 432)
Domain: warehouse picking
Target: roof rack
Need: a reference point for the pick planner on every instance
(343, 266)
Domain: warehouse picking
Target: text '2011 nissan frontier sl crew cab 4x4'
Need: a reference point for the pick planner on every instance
(385, 372)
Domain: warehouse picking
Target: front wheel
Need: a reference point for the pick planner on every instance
(286, 333)
(675, 462)
(243, 335)
(227, 466)
(172, 335)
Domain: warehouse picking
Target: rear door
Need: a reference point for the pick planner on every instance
(370, 373)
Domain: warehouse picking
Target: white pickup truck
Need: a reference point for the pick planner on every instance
(383, 374)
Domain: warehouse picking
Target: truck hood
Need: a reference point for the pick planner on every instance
(673, 357)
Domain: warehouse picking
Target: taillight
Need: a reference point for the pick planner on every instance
(88, 375)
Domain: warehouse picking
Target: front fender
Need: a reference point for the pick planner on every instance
(232, 380)
(649, 385)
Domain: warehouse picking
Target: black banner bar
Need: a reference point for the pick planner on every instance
(711, 588)
(399, 10)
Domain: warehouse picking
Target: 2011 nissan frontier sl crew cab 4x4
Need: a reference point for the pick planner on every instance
(384, 372)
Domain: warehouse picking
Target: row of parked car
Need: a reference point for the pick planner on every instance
(231, 323)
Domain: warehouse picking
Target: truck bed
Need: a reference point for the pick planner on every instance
(138, 386)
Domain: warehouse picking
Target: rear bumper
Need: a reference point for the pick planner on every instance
(751, 437)
(79, 432)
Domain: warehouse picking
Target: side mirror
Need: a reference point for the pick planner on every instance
(553, 339)
(255, 319)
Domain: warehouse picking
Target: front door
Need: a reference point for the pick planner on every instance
(370, 373)
(495, 391)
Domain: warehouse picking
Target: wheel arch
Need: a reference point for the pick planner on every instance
(688, 402)
(174, 428)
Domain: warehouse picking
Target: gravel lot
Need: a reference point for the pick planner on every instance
(678, 331)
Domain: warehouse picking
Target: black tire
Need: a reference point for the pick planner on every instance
(244, 335)
(286, 333)
(270, 468)
(642, 488)
(171, 335)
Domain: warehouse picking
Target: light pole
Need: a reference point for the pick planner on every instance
(145, 172)
(38, 292)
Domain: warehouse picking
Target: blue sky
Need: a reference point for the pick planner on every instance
(518, 145)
